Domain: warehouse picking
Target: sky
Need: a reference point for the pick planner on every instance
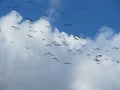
(86, 16)
(59, 45)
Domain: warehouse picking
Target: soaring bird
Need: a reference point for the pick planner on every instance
(29, 35)
(15, 28)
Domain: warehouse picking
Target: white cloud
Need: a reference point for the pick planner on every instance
(35, 56)
(52, 11)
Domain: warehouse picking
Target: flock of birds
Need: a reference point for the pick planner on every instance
(98, 58)
(77, 52)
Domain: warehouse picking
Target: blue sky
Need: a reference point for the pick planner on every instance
(86, 16)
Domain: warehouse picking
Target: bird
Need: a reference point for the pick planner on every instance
(50, 54)
(97, 60)
(67, 63)
(98, 56)
(12, 42)
(48, 26)
(88, 54)
(30, 2)
(69, 50)
(79, 50)
(29, 35)
(27, 47)
(115, 48)
(64, 43)
(96, 49)
(43, 39)
(49, 45)
(15, 28)
(57, 44)
(118, 61)
(68, 24)
(56, 59)
(76, 37)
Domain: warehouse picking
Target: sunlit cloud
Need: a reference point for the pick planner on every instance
(36, 55)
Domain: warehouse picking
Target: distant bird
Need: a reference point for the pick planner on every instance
(26, 47)
(57, 44)
(68, 24)
(48, 26)
(12, 42)
(67, 63)
(69, 50)
(56, 59)
(30, 2)
(76, 37)
(65, 43)
(97, 60)
(96, 49)
(115, 48)
(29, 35)
(15, 28)
(79, 50)
(43, 39)
(48, 53)
(49, 45)
(59, 36)
(88, 54)
(0, 30)
(98, 56)
(107, 51)
(118, 61)
(54, 42)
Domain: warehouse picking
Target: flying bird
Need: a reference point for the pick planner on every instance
(29, 35)
(68, 24)
(15, 28)
(56, 59)
(96, 49)
(67, 63)
(57, 44)
(48, 53)
(49, 45)
(12, 42)
(26, 47)
(98, 56)
(115, 48)
(30, 2)
(76, 37)
(64, 43)
(97, 60)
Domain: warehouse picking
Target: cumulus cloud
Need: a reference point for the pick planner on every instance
(36, 56)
